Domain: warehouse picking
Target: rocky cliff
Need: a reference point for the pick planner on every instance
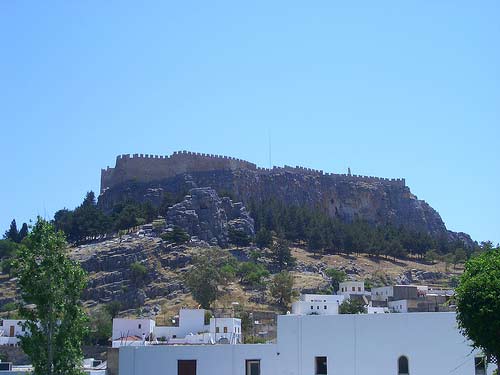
(377, 202)
(205, 215)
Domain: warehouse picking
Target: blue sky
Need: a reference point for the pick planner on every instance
(392, 89)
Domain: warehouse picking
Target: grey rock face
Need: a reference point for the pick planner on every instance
(376, 202)
(208, 217)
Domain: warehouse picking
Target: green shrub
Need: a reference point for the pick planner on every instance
(176, 236)
(11, 306)
(139, 272)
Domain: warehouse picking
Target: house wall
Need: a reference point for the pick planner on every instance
(382, 293)
(315, 308)
(5, 325)
(130, 327)
(347, 287)
(211, 359)
(353, 344)
(368, 344)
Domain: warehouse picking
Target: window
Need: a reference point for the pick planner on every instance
(324, 307)
(140, 325)
(480, 366)
(317, 307)
(353, 288)
(321, 366)
(186, 367)
(359, 289)
(216, 329)
(312, 307)
(403, 368)
(225, 329)
(252, 367)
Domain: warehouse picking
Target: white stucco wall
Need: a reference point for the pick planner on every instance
(347, 287)
(382, 293)
(316, 308)
(211, 359)
(353, 344)
(130, 327)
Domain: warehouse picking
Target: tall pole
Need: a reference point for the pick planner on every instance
(269, 136)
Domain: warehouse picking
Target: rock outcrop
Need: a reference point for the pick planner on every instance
(346, 197)
(205, 215)
(111, 277)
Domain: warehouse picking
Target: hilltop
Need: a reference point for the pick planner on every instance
(346, 197)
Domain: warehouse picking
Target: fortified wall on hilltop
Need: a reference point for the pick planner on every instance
(146, 168)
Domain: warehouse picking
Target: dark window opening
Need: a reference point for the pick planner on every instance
(186, 367)
(480, 366)
(321, 366)
(403, 368)
(252, 367)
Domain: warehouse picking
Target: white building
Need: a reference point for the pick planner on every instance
(399, 344)
(10, 329)
(317, 304)
(191, 330)
(352, 287)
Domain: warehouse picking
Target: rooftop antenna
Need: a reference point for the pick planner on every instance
(269, 135)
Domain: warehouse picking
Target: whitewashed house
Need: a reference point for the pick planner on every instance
(399, 344)
(352, 288)
(191, 330)
(317, 304)
(10, 329)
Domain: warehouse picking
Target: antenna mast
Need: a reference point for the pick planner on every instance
(269, 135)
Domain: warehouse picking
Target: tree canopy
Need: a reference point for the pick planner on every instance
(52, 283)
(332, 235)
(478, 302)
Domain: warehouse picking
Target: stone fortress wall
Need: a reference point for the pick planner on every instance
(148, 168)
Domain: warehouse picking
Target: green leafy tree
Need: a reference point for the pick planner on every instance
(336, 276)
(281, 256)
(252, 274)
(263, 238)
(316, 242)
(100, 327)
(138, 272)
(53, 283)
(113, 308)
(478, 303)
(177, 236)
(8, 249)
(282, 288)
(431, 256)
(352, 306)
(205, 276)
(460, 256)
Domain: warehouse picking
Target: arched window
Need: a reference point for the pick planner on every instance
(403, 368)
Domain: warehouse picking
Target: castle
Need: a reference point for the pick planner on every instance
(146, 168)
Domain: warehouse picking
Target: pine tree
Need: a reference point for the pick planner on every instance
(23, 232)
(12, 234)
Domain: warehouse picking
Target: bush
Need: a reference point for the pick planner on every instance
(263, 238)
(139, 272)
(352, 306)
(252, 274)
(10, 306)
(337, 277)
(238, 237)
(254, 340)
(176, 236)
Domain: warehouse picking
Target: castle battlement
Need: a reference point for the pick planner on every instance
(147, 168)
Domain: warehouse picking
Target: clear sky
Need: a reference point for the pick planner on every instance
(389, 88)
